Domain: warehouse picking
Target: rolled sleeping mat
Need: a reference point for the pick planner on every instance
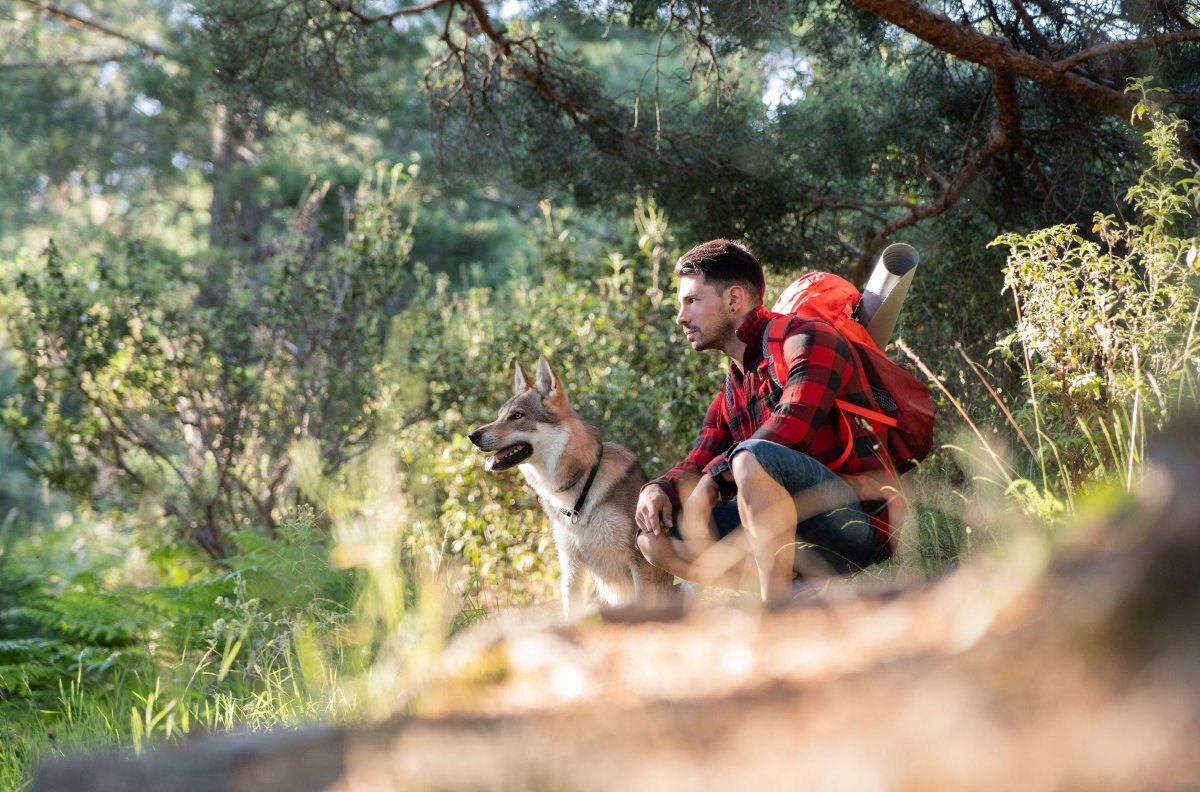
(884, 294)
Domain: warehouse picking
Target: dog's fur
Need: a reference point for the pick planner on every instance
(538, 432)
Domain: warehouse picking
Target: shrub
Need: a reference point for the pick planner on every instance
(144, 381)
(1106, 321)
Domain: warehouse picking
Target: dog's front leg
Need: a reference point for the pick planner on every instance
(574, 579)
(643, 585)
(651, 586)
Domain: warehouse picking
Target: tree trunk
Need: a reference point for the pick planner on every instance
(235, 220)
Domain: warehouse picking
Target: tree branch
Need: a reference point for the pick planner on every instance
(1174, 13)
(1127, 45)
(1031, 27)
(65, 63)
(927, 169)
(1000, 56)
(996, 54)
(89, 24)
(346, 7)
(1005, 134)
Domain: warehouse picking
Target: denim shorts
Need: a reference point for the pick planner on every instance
(841, 536)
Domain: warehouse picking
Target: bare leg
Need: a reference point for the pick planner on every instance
(715, 563)
(768, 515)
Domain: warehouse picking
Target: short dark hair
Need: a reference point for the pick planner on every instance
(723, 263)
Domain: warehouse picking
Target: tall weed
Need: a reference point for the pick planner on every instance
(1106, 331)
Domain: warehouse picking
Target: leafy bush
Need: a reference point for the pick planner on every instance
(1107, 322)
(144, 380)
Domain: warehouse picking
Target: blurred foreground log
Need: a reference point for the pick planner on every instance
(1082, 672)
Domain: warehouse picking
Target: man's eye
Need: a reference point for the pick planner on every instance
(516, 416)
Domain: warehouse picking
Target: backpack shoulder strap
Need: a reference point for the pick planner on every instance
(772, 349)
(727, 401)
(870, 415)
(774, 339)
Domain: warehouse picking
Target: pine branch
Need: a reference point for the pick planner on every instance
(67, 63)
(1004, 134)
(89, 24)
(1130, 45)
(998, 55)
(347, 7)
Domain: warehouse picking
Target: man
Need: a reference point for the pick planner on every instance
(772, 445)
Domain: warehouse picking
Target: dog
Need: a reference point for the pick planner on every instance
(588, 488)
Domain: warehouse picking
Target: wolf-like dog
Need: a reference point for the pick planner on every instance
(588, 488)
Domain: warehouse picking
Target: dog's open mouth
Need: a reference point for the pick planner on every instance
(506, 458)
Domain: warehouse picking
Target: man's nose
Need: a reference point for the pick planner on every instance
(679, 318)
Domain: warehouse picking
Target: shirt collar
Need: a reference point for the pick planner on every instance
(750, 331)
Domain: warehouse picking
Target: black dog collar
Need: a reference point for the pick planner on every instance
(574, 514)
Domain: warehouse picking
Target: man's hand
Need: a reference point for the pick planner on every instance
(655, 514)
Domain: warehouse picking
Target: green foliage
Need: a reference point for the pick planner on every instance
(218, 393)
(83, 665)
(1099, 314)
(176, 378)
(142, 378)
(805, 127)
(261, 59)
(115, 141)
(1107, 322)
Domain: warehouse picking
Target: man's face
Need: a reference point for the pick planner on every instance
(704, 314)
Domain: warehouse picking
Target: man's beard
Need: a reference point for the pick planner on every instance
(716, 340)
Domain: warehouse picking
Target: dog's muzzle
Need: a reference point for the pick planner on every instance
(507, 457)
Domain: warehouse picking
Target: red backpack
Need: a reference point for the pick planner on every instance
(906, 409)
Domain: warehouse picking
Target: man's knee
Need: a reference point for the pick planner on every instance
(762, 501)
(749, 473)
(746, 469)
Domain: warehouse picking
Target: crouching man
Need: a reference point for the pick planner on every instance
(781, 481)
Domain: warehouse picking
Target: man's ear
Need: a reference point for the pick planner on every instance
(521, 381)
(547, 382)
(735, 297)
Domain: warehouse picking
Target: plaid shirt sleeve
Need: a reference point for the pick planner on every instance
(715, 438)
(818, 364)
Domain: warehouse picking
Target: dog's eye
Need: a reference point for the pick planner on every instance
(516, 416)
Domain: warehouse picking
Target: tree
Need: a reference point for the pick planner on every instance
(1013, 112)
(115, 131)
(134, 396)
(107, 128)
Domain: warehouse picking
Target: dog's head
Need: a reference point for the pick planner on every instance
(526, 421)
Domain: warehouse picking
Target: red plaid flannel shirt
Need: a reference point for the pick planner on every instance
(801, 414)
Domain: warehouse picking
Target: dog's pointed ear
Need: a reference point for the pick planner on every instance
(521, 382)
(547, 382)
